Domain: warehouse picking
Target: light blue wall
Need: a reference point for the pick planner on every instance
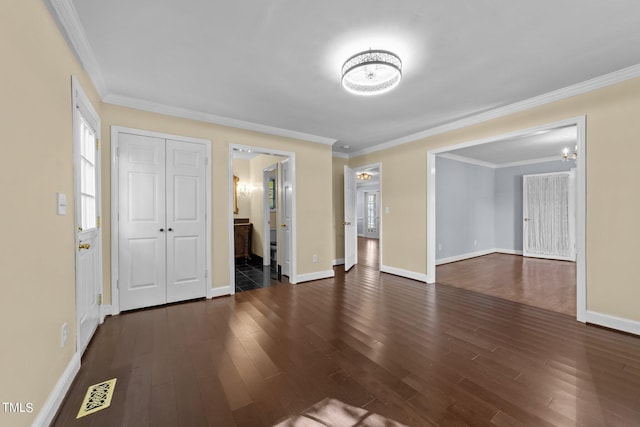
(481, 204)
(508, 196)
(465, 208)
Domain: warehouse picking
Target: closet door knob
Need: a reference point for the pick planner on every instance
(169, 229)
(162, 229)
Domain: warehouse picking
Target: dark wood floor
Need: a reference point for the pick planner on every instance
(543, 283)
(419, 354)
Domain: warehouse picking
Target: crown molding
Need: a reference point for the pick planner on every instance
(154, 107)
(557, 95)
(469, 160)
(68, 17)
(477, 162)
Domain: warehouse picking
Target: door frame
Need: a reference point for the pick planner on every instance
(80, 101)
(581, 205)
(115, 193)
(293, 278)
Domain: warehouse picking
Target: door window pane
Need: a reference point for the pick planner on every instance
(87, 176)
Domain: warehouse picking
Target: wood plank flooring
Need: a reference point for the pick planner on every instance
(422, 355)
(543, 283)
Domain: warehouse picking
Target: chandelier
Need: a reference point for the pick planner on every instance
(371, 72)
(364, 176)
(566, 155)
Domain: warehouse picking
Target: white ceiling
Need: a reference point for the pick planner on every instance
(275, 65)
(546, 145)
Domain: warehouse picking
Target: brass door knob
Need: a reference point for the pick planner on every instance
(346, 223)
(84, 246)
(283, 225)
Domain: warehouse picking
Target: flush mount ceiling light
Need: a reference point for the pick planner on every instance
(364, 176)
(371, 72)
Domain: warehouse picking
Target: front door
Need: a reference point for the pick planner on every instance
(371, 214)
(87, 208)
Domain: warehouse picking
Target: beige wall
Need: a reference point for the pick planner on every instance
(613, 204)
(313, 169)
(37, 249)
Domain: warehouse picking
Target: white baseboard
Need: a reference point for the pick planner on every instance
(339, 261)
(464, 256)
(105, 310)
(477, 254)
(53, 402)
(508, 251)
(218, 292)
(315, 276)
(421, 277)
(613, 322)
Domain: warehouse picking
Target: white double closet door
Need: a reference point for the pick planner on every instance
(162, 221)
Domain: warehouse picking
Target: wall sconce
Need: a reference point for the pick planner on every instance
(244, 190)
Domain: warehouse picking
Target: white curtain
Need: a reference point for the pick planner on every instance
(548, 228)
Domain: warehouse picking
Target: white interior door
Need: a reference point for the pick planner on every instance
(371, 214)
(186, 221)
(287, 205)
(350, 230)
(142, 217)
(549, 216)
(87, 197)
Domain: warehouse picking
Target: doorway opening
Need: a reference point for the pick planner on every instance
(263, 225)
(476, 229)
(363, 205)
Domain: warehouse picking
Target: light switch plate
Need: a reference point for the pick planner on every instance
(62, 203)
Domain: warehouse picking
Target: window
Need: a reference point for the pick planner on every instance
(88, 190)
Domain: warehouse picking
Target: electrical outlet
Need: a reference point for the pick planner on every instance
(63, 335)
(314, 258)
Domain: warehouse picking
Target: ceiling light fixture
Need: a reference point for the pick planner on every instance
(371, 72)
(364, 176)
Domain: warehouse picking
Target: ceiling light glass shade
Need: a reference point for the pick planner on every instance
(364, 176)
(371, 72)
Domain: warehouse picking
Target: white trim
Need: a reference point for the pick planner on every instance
(613, 322)
(461, 257)
(219, 291)
(508, 251)
(115, 131)
(557, 95)
(68, 17)
(470, 255)
(581, 205)
(307, 277)
(339, 261)
(294, 220)
(53, 402)
(421, 277)
(469, 160)
(141, 104)
(105, 310)
(340, 155)
(529, 162)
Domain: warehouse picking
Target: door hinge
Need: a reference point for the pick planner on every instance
(206, 161)
(98, 222)
(117, 283)
(206, 273)
(100, 299)
(117, 151)
(97, 144)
